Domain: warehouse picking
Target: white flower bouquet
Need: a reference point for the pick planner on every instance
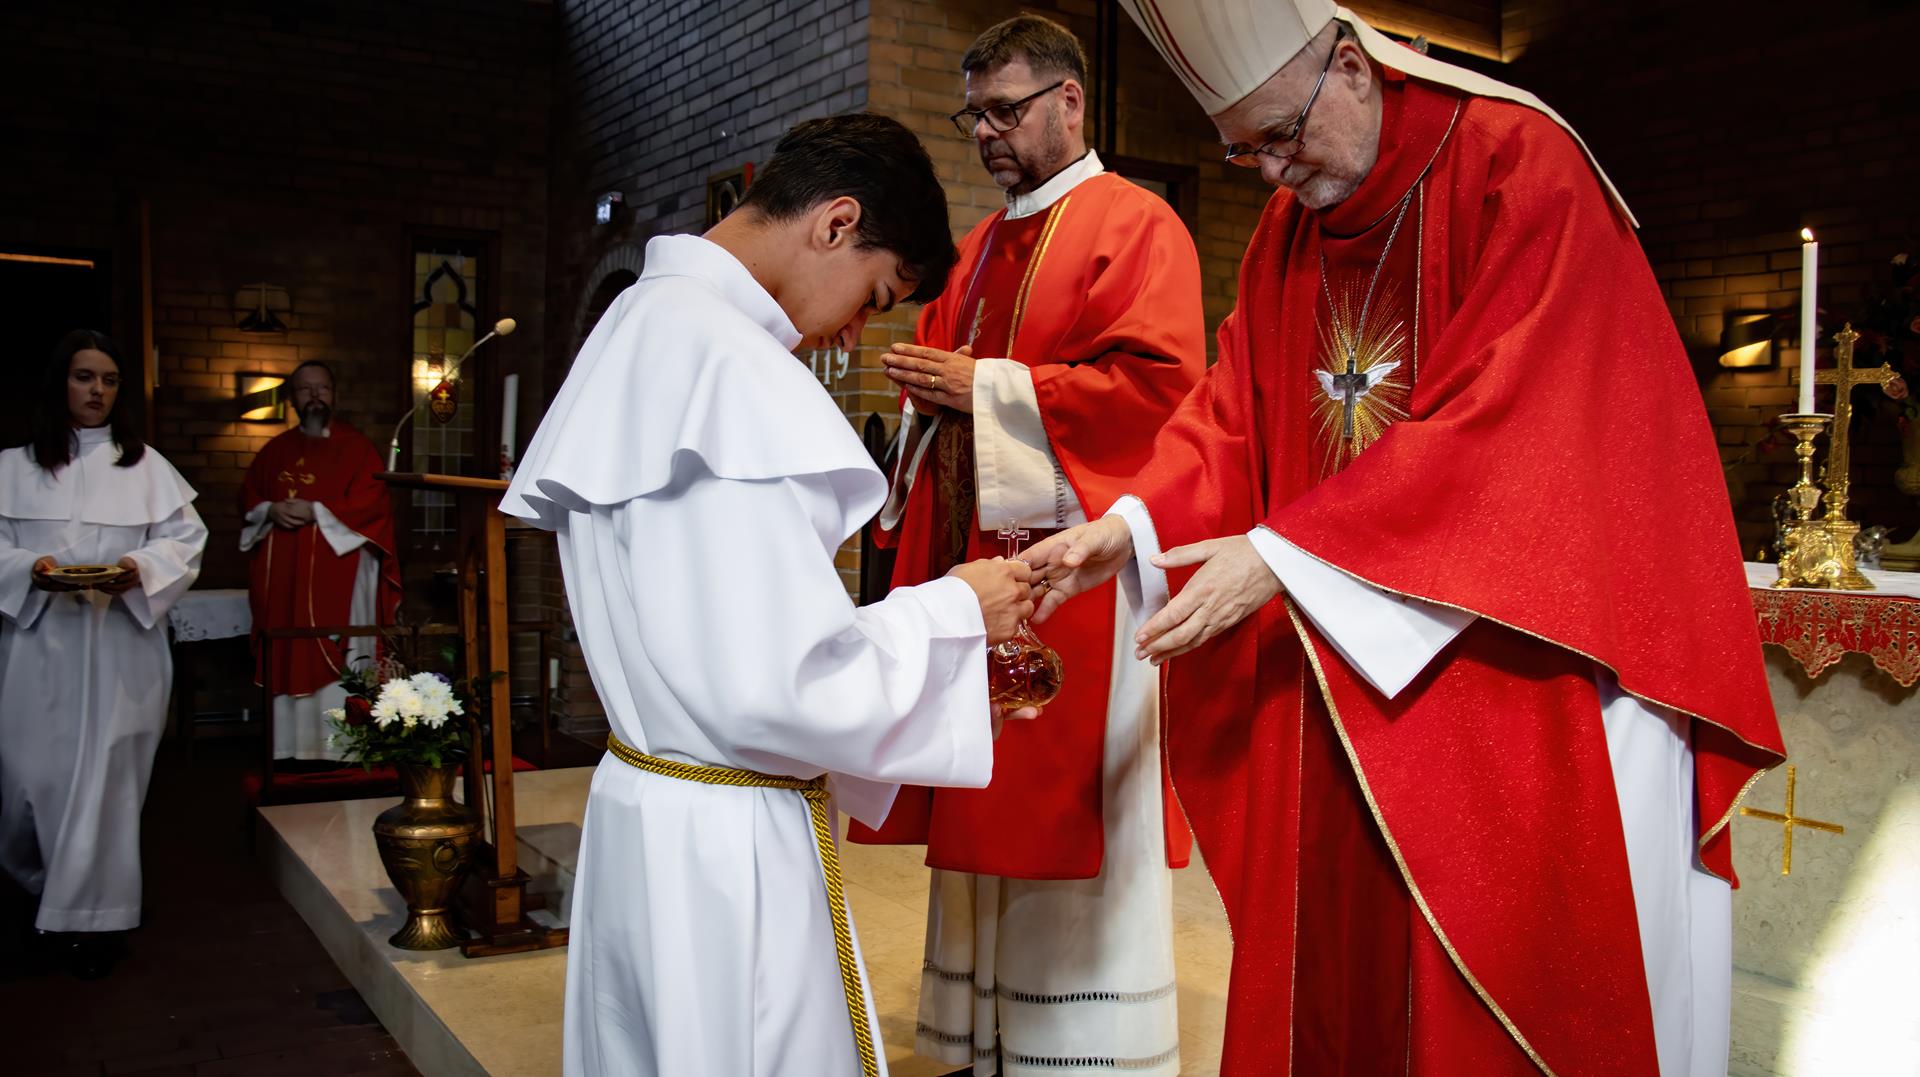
(391, 717)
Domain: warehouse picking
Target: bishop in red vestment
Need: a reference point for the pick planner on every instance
(319, 527)
(1069, 330)
(1467, 682)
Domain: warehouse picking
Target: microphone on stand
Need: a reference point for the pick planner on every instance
(501, 328)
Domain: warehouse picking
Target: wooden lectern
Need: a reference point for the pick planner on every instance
(494, 899)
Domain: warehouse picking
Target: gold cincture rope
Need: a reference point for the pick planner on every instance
(815, 791)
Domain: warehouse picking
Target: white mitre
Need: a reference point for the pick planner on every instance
(1225, 49)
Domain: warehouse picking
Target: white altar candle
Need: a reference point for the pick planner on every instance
(509, 415)
(1809, 271)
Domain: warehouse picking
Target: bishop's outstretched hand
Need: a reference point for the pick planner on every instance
(1078, 559)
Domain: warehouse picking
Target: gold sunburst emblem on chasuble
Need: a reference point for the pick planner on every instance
(1360, 386)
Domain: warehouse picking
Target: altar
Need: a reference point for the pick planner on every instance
(1826, 955)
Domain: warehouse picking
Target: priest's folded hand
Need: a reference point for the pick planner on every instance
(1233, 580)
(291, 513)
(1078, 560)
(933, 377)
(1001, 587)
(46, 582)
(124, 582)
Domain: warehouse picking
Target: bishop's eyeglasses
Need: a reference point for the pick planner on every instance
(1002, 118)
(1290, 140)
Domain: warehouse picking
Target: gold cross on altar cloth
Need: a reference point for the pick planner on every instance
(1788, 821)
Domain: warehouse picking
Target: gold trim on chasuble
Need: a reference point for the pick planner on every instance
(953, 441)
(1400, 861)
(1033, 270)
(815, 792)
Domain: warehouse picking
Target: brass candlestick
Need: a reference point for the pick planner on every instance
(1808, 559)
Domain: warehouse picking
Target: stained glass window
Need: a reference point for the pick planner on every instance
(446, 309)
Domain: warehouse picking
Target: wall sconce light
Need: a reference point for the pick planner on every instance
(1746, 341)
(260, 398)
(606, 206)
(260, 319)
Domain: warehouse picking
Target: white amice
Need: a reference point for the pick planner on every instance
(84, 676)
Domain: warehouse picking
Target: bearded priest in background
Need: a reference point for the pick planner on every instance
(1465, 787)
(319, 529)
(1071, 328)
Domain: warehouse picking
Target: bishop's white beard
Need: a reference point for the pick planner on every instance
(1335, 181)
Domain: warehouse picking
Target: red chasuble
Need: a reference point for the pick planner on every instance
(1438, 883)
(1100, 296)
(297, 580)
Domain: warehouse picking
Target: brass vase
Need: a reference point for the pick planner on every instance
(426, 843)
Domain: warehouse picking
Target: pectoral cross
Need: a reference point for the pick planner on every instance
(1788, 821)
(1015, 537)
(1349, 387)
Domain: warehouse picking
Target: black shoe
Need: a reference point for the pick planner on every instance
(91, 955)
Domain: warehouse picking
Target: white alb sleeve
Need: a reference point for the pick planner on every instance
(1017, 477)
(1388, 638)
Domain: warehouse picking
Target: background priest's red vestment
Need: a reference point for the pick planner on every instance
(1555, 475)
(296, 579)
(1100, 297)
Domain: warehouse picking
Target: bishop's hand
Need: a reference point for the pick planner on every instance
(1078, 560)
(935, 378)
(1005, 598)
(1233, 580)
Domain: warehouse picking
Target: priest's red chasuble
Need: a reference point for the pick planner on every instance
(297, 581)
(1100, 296)
(1460, 384)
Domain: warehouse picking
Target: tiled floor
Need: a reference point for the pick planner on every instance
(224, 978)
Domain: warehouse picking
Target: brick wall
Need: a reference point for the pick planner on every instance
(1729, 127)
(297, 145)
(653, 97)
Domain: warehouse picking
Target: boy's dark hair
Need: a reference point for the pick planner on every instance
(54, 441)
(1049, 49)
(878, 163)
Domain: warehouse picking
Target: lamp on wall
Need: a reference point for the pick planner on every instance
(1746, 340)
(260, 398)
(260, 319)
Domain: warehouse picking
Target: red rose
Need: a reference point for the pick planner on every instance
(1897, 388)
(1914, 326)
(359, 711)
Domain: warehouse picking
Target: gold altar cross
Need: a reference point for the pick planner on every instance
(1788, 821)
(1844, 377)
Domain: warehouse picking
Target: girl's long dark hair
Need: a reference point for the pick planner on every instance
(54, 441)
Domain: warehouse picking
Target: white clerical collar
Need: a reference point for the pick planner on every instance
(1045, 195)
(93, 435)
(703, 259)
